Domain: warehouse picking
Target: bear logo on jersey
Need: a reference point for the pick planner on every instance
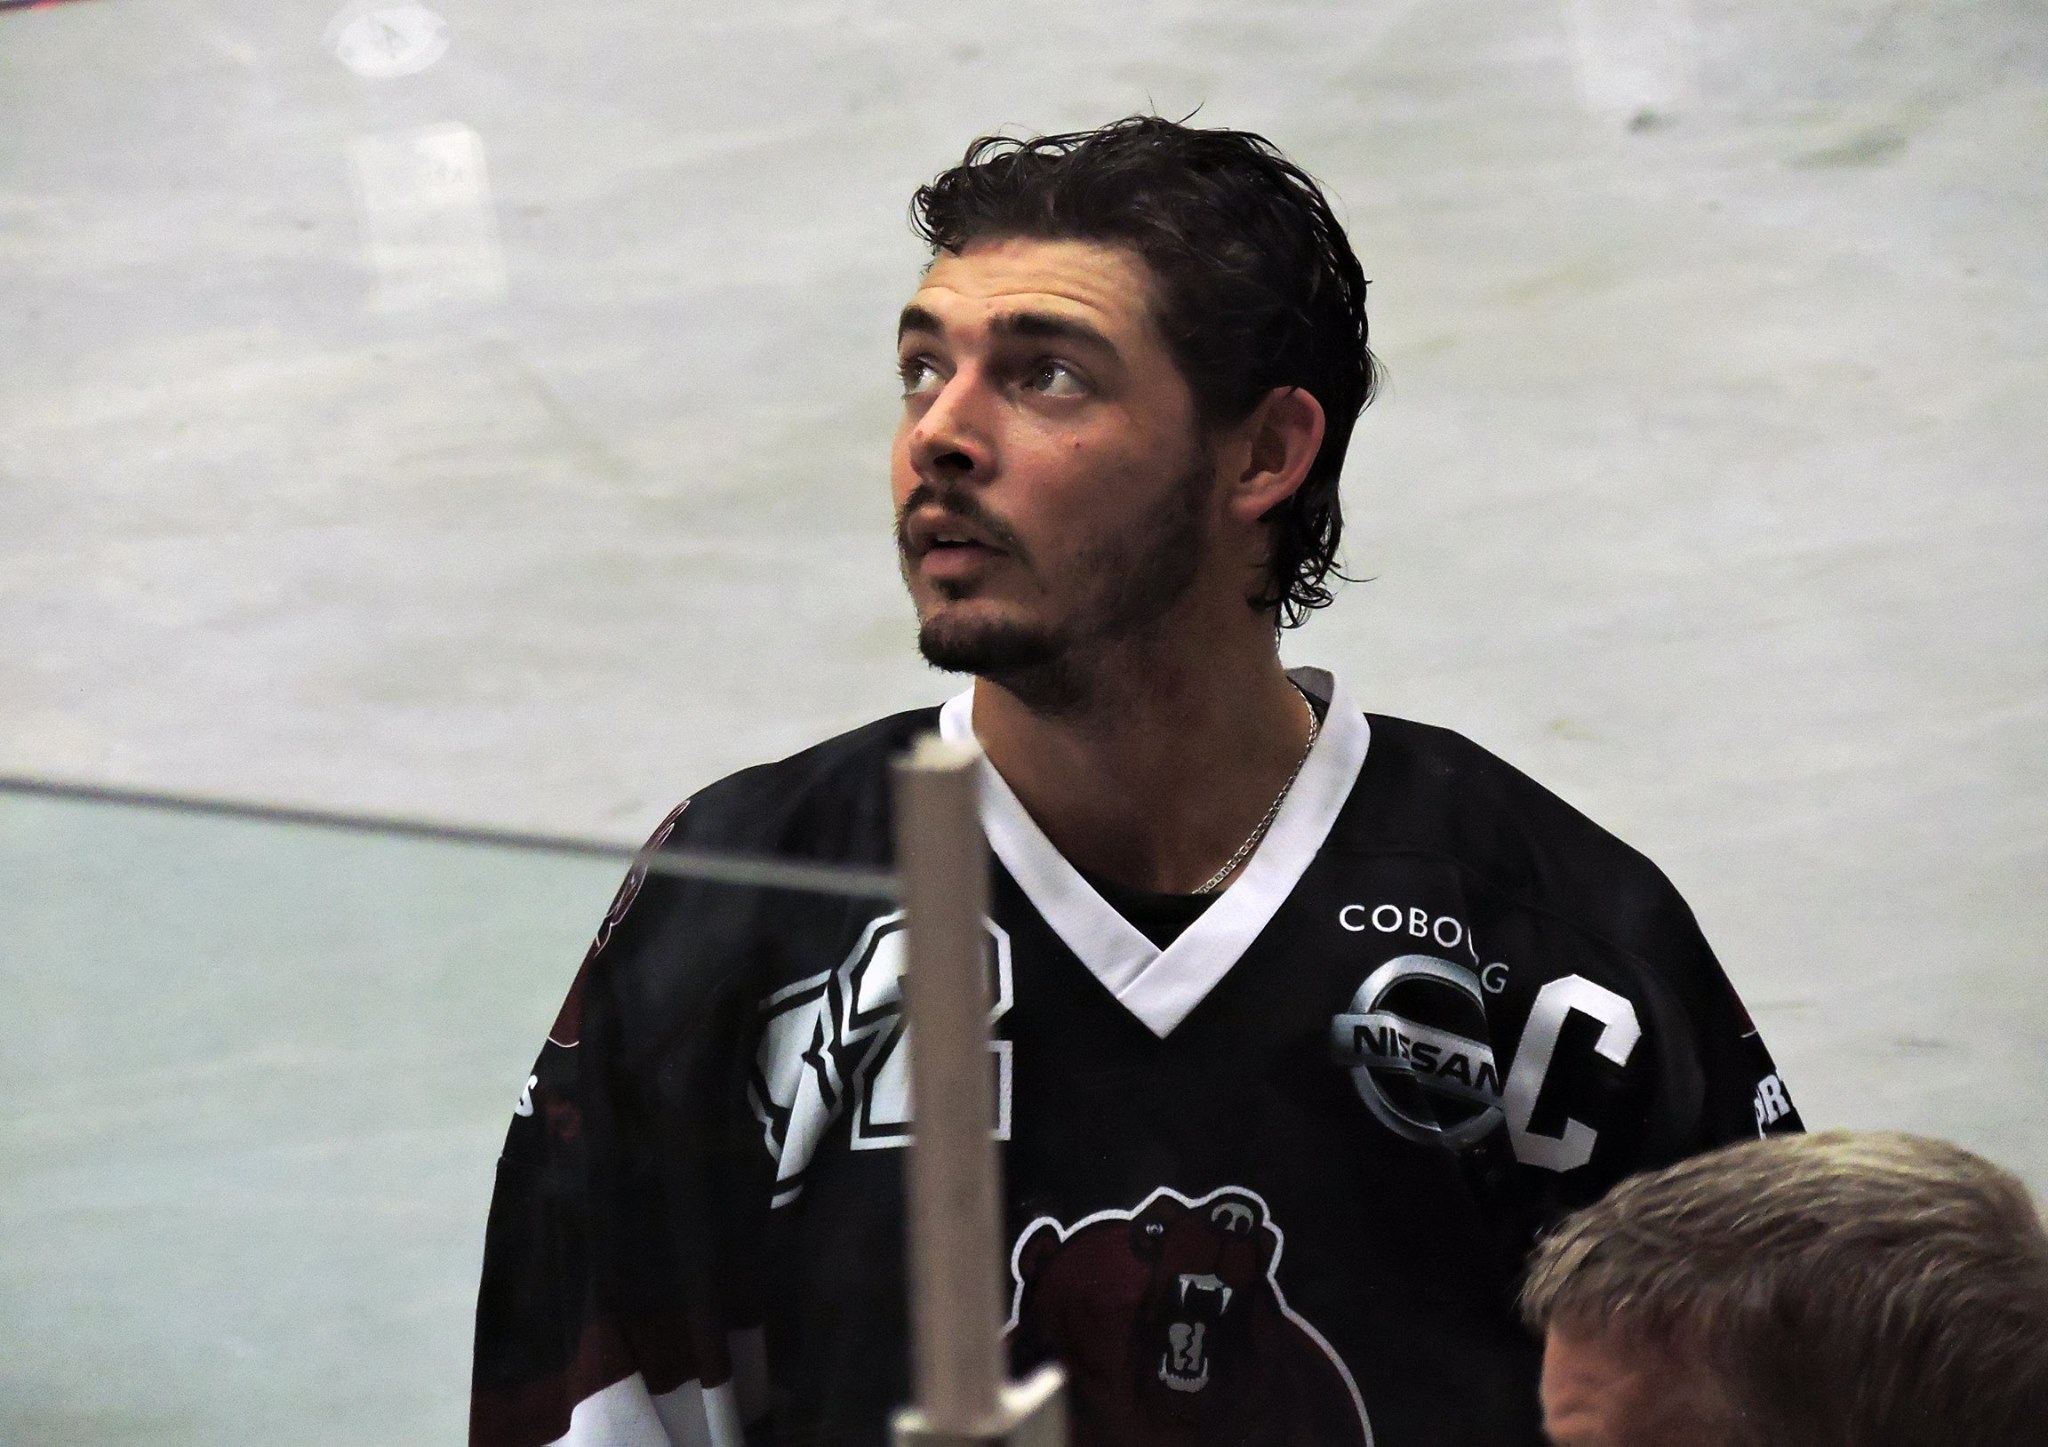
(1172, 1327)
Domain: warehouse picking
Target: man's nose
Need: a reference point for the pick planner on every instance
(950, 442)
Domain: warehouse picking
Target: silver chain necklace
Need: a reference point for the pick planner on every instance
(1244, 850)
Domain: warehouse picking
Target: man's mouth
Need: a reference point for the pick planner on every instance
(947, 547)
(955, 560)
(951, 530)
(956, 540)
(945, 532)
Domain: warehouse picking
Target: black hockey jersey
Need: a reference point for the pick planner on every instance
(1271, 1183)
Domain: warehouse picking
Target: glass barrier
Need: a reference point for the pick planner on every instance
(256, 1078)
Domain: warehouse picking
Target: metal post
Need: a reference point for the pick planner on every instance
(955, 1195)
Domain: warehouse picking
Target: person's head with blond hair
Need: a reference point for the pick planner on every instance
(1845, 1289)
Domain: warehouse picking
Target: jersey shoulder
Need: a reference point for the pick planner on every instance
(1432, 791)
(668, 942)
(830, 801)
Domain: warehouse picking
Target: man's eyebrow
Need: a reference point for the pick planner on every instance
(1045, 327)
(1033, 326)
(916, 319)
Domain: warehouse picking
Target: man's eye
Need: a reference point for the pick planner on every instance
(1054, 379)
(918, 375)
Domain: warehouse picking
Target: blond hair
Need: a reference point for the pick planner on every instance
(1846, 1289)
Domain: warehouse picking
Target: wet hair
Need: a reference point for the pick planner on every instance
(1847, 1289)
(1256, 285)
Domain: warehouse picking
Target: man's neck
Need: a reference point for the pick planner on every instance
(1168, 764)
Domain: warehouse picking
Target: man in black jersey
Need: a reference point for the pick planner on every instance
(1307, 1019)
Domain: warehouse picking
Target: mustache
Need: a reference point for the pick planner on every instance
(963, 505)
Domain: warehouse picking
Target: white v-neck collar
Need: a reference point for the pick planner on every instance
(1160, 986)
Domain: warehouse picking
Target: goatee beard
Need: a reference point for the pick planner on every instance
(1032, 663)
(1132, 584)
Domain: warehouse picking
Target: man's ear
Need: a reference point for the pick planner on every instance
(1275, 446)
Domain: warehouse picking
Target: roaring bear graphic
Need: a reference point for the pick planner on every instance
(1172, 1329)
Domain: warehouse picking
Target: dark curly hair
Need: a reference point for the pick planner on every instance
(1258, 287)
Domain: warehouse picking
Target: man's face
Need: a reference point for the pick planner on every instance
(1609, 1389)
(1051, 489)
